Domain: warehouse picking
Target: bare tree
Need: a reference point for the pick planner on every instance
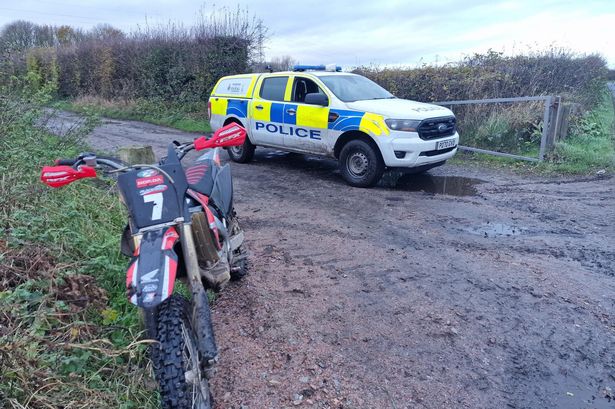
(102, 32)
(17, 36)
(283, 63)
(44, 36)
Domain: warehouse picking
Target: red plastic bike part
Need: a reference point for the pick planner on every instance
(57, 176)
(204, 200)
(230, 135)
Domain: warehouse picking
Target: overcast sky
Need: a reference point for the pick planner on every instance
(359, 32)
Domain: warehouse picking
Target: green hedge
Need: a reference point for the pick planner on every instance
(493, 75)
(170, 62)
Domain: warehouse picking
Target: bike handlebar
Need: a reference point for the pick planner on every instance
(66, 162)
(68, 170)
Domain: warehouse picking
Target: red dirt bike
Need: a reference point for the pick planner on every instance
(181, 224)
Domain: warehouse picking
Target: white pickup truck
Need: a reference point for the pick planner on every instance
(321, 111)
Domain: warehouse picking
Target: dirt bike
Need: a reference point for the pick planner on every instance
(181, 224)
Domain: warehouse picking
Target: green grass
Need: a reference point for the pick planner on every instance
(589, 147)
(591, 143)
(189, 118)
(57, 351)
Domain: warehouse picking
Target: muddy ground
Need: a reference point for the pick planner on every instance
(464, 288)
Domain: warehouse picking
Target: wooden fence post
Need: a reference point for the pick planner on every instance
(137, 154)
(563, 123)
(553, 123)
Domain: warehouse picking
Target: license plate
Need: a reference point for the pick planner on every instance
(449, 143)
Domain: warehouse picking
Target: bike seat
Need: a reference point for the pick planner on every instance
(201, 177)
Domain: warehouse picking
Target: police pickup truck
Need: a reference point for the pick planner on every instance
(320, 110)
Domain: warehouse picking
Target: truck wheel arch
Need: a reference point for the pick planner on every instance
(232, 119)
(350, 136)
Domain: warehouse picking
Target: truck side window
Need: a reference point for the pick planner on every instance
(302, 87)
(274, 88)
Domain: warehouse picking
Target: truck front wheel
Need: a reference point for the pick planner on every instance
(243, 153)
(361, 164)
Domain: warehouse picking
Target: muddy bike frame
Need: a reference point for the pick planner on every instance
(144, 188)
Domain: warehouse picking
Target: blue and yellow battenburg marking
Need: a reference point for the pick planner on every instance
(237, 107)
(305, 116)
(285, 129)
(356, 120)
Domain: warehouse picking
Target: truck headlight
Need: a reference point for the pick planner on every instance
(407, 125)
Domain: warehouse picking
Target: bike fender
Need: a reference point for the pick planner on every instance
(151, 273)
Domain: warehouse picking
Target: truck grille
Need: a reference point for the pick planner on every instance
(434, 128)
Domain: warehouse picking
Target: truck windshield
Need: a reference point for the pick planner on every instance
(350, 88)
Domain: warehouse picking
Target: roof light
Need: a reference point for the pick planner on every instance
(328, 67)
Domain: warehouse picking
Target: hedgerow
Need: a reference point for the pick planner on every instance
(494, 75)
(168, 62)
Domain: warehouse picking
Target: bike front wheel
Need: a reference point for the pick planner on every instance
(177, 364)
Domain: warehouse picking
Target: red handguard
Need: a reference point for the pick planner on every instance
(230, 135)
(201, 143)
(57, 176)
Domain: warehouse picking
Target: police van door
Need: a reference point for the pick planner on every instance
(306, 125)
(267, 112)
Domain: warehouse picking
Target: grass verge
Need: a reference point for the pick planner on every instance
(591, 143)
(185, 118)
(68, 336)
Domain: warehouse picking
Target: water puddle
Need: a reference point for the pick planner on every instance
(572, 394)
(497, 230)
(444, 185)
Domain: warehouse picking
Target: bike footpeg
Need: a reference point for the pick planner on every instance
(218, 275)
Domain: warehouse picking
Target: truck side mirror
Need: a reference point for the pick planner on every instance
(316, 98)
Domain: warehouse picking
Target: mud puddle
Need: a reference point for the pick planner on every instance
(443, 185)
(497, 229)
(572, 395)
(399, 180)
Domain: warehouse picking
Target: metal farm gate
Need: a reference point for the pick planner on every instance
(555, 123)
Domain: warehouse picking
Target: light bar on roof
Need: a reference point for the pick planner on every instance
(322, 67)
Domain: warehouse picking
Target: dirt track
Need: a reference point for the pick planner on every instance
(498, 294)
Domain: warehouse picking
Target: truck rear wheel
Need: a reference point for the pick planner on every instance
(243, 153)
(360, 164)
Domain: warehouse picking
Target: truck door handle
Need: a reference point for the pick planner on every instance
(291, 111)
(259, 107)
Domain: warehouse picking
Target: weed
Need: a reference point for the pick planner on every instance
(591, 144)
(68, 336)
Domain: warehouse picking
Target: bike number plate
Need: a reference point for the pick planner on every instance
(149, 197)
